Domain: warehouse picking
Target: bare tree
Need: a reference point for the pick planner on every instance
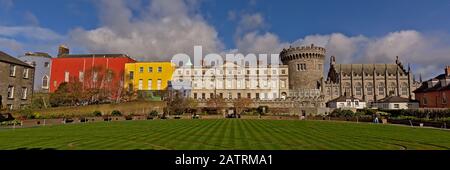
(241, 104)
(217, 103)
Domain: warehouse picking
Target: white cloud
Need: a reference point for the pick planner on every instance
(29, 32)
(163, 29)
(11, 45)
(427, 53)
(253, 42)
(31, 19)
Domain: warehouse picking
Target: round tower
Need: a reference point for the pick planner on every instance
(305, 67)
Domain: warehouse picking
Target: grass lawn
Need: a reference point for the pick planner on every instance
(224, 134)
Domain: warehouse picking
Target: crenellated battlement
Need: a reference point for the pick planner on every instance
(303, 52)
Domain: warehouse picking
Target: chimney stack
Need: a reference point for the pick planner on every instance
(63, 50)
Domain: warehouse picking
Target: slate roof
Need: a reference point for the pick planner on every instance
(10, 59)
(437, 87)
(394, 99)
(93, 55)
(344, 99)
(369, 68)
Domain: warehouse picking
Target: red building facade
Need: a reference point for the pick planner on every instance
(435, 93)
(101, 71)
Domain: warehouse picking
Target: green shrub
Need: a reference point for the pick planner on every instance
(153, 113)
(97, 113)
(116, 113)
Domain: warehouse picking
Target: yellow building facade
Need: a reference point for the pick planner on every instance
(148, 75)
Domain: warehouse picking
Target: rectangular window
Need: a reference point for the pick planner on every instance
(203, 96)
(81, 76)
(283, 71)
(24, 93)
(130, 87)
(249, 95)
(159, 69)
(221, 95)
(150, 69)
(149, 84)
(46, 64)
(141, 69)
(444, 98)
(95, 77)
(140, 84)
(230, 96)
(356, 103)
(10, 92)
(66, 76)
(257, 95)
(10, 107)
(25, 73)
(12, 70)
(396, 106)
(211, 95)
(195, 95)
(131, 75)
(239, 95)
(158, 85)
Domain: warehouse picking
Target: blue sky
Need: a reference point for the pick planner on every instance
(353, 30)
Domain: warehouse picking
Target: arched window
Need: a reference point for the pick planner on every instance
(392, 88)
(45, 82)
(369, 88)
(358, 89)
(404, 89)
(347, 89)
(381, 89)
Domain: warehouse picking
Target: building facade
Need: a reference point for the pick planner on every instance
(396, 103)
(233, 80)
(435, 93)
(346, 102)
(369, 82)
(148, 76)
(16, 83)
(103, 71)
(42, 64)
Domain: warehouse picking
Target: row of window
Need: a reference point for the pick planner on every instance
(302, 67)
(370, 88)
(13, 68)
(231, 72)
(239, 84)
(81, 77)
(238, 96)
(23, 92)
(149, 84)
(443, 99)
(150, 69)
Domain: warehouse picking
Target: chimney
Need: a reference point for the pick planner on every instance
(63, 50)
(447, 71)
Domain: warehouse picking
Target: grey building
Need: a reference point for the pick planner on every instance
(42, 65)
(370, 82)
(16, 82)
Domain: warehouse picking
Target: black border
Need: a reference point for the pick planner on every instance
(280, 159)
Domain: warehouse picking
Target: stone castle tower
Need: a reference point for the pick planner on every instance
(305, 69)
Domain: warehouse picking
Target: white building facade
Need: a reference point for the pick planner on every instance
(233, 81)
